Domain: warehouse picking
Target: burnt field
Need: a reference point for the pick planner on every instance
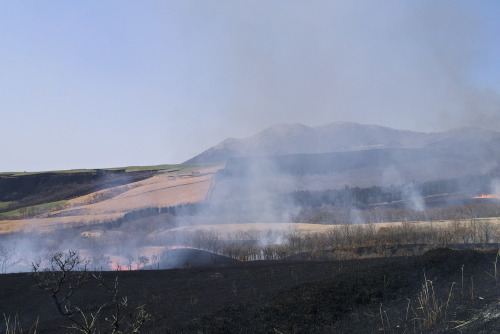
(26, 190)
(441, 291)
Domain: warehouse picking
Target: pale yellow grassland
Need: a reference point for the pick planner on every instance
(232, 228)
(161, 194)
(304, 228)
(48, 224)
(158, 191)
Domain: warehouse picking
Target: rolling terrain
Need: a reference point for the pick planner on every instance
(341, 228)
(281, 159)
(88, 196)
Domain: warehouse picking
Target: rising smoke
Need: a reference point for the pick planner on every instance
(391, 63)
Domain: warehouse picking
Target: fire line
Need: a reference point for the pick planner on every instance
(495, 196)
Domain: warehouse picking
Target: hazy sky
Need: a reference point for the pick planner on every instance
(90, 84)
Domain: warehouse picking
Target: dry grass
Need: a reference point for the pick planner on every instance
(431, 309)
(48, 224)
(164, 190)
(260, 227)
(162, 194)
(160, 190)
(304, 228)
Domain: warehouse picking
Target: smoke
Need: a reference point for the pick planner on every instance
(406, 65)
(355, 216)
(410, 192)
(201, 72)
(249, 208)
(413, 196)
(482, 109)
(495, 186)
(314, 63)
(251, 187)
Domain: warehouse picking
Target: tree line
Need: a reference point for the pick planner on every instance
(361, 198)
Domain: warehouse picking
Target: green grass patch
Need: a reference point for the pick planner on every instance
(184, 168)
(144, 168)
(35, 209)
(5, 205)
(69, 171)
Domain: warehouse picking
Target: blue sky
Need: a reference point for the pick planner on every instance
(91, 84)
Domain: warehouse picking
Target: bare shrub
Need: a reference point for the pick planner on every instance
(12, 326)
(65, 274)
(100, 261)
(334, 237)
(294, 241)
(8, 258)
(204, 239)
(143, 260)
(431, 309)
(485, 231)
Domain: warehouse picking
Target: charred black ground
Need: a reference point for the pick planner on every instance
(352, 296)
(27, 190)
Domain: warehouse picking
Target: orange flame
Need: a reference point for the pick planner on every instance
(124, 267)
(496, 196)
(117, 267)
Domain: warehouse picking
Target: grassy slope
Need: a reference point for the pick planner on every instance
(4, 205)
(34, 209)
(164, 168)
(173, 185)
(45, 172)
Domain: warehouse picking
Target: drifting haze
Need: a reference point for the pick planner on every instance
(87, 85)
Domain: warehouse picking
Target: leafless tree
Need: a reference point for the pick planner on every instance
(100, 262)
(120, 319)
(295, 241)
(8, 259)
(334, 237)
(463, 234)
(143, 260)
(65, 274)
(130, 261)
(156, 259)
(205, 239)
(485, 231)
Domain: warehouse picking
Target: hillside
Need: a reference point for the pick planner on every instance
(287, 158)
(338, 228)
(279, 160)
(47, 200)
(288, 139)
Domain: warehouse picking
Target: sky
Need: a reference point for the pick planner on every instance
(96, 84)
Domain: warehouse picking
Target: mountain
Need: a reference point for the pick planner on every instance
(288, 139)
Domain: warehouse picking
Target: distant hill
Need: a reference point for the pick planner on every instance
(288, 139)
(287, 158)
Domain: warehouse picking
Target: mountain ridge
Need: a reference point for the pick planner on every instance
(296, 138)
